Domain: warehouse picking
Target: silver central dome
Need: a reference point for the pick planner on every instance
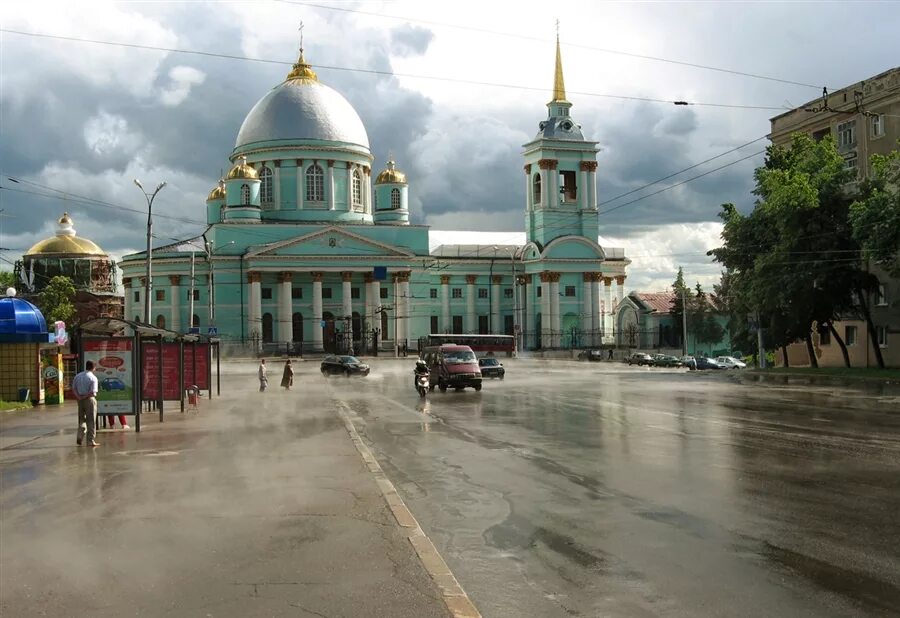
(302, 109)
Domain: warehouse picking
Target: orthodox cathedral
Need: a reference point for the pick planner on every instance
(304, 249)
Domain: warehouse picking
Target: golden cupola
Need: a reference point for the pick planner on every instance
(242, 171)
(391, 175)
(218, 192)
(66, 242)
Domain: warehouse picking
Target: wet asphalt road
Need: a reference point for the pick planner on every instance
(601, 490)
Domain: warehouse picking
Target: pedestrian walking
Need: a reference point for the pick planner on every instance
(263, 377)
(287, 378)
(84, 386)
(122, 422)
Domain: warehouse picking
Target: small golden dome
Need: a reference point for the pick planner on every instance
(302, 71)
(218, 192)
(242, 171)
(391, 175)
(65, 242)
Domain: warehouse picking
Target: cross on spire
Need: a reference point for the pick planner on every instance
(300, 29)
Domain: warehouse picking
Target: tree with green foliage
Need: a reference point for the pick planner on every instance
(681, 291)
(7, 280)
(875, 217)
(56, 301)
(701, 318)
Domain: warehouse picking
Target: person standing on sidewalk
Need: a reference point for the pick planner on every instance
(263, 378)
(84, 385)
(287, 378)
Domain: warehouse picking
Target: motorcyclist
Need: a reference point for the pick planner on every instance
(420, 369)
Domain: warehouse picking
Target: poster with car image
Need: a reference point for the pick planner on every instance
(112, 366)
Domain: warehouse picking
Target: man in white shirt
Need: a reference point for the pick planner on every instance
(84, 386)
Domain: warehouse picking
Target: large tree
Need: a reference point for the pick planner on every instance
(701, 318)
(55, 301)
(681, 290)
(876, 216)
(7, 280)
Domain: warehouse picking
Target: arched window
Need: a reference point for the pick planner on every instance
(297, 321)
(357, 187)
(160, 321)
(267, 334)
(245, 195)
(265, 186)
(195, 321)
(315, 183)
(395, 198)
(537, 189)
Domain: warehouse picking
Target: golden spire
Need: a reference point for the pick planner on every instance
(559, 84)
(301, 69)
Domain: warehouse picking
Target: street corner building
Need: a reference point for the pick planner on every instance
(305, 250)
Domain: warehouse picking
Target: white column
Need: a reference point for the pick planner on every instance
(527, 305)
(596, 316)
(607, 306)
(495, 304)
(592, 184)
(445, 303)
(301, 178)
(554, 186)
(285, 308)
(376, 303)
(545, 188)
(620, 289)
(129, 294)
(584, 193)
(276, 184)
(317, 312)
(405, 303)
(346, 294)
(366, 187)
(367, 290)
(587, 309)
(329, 185)
(554, 309)
(546, 318)
(470, 304)
(175, 302)
(350, 187)
(254, 318)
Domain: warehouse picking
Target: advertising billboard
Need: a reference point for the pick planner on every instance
(113, 368)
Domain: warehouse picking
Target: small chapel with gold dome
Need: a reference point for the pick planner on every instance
(304, 249)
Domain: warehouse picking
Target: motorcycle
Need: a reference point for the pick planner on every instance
(422, 384)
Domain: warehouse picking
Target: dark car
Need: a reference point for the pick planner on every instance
(112, 384)
(591, 355)
(707, 363)
(664, 360)
(639, 358)
(344, 365)
(491, 368)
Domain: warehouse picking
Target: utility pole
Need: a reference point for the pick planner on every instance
(761, 350)
(684, 332)
(191, 305)
(148, 284)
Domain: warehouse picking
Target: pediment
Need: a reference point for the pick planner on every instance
(331, 240)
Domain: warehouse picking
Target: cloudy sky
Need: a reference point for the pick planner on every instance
(453, 94)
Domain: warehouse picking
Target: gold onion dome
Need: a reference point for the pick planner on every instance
(218, 192)
(391, 175)
(302, 71)
(242, 171)
(65, 242)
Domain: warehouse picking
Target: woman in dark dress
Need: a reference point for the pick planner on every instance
(287, 378)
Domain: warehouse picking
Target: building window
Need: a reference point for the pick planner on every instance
(881, 335)
(315, 183)
(539, 288)
(570, 290)
(818, 136)
(137, 296)
(196, 294)
(265, 185)
(536, 185)
(880, 296)
(266, 293)
(432, 293)
(326, 293)
(457, 324)
(267, 329)
(354, 293)
(482, 293)
(508, 293)
(846, 133)
(245, 195)
(296, 293)
(508, 325)
(434, 324)
(357, 187)
(160, 295)
(483, 327)
(878, 125)
(160, 321)
(567, 186)
(851, 162)
(195, 321)
(456, 293)
(824, 335)
(850, 335)
(382, 292)
(395, 198)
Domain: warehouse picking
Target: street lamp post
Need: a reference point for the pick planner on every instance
(211, 289)
(148, 283)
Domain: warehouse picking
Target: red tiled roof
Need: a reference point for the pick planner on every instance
(661, 302)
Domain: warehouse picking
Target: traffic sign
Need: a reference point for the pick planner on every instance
(322, 323)
(194, 330)
(212, 331)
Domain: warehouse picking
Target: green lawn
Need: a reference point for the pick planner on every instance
(836, 372)
(13, 405)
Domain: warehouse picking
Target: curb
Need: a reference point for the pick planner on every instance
(455, 598)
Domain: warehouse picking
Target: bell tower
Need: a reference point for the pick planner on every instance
(560, 173)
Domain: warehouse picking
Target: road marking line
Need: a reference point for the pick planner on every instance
(455, 598)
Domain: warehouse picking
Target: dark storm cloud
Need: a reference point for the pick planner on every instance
(408, 40)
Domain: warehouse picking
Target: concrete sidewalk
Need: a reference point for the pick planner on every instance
(258, 506)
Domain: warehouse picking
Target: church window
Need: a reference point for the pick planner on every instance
(245, 195)
(432, 293)
(266, 293)
(265, 186)
(296, 293)
(434, 324)
(537, 188)
(508, 293)
(382, 292)
(354, 293)
(539, 288)
(160, 295)
(137, 296)
(195, 321)
(482, 293)
(456, 293)
(567, 185)
(196, 294)
(570, 290)
(160, 321)
(326, 293)
(395, 198)
(315, 183)
(357, 187)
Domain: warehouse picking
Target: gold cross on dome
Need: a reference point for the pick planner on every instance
(300, 29)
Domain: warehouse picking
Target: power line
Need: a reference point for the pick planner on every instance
(543, 40)
(451, 80)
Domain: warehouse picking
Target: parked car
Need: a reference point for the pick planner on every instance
(730, 362)
(452, 366)
(664, 360)
(491, 368)
(112, 384)
(591, 355)
(344, 365)
(704, 362)
(639, 358)
(688, 361)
